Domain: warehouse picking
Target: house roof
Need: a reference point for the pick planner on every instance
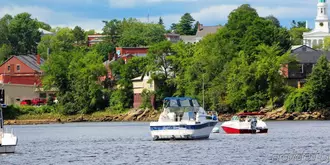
(188, 38)
(207, 30)
(31, 61)
(310, 57)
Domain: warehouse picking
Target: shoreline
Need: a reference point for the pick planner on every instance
(140, 115)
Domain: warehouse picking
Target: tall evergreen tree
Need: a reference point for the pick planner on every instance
(185, 26)
(161, 22)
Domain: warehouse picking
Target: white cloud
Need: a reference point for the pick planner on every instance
(133, 3)
(55, 19)
(211, 15)
(214, 15)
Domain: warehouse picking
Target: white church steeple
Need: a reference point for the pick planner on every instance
(322, 19)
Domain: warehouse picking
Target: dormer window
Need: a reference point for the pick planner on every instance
(18, 68)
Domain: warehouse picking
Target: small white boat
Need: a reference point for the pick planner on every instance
(182, 118)
(8, 141)
(245, 123)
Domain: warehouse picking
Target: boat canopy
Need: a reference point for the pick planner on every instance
(181, 104)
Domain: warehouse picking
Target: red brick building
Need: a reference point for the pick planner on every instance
(23, 70)
(127, 53)
(95, 38)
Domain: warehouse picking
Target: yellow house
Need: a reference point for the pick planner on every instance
(141, 83)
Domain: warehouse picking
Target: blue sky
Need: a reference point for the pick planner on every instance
(90, 13)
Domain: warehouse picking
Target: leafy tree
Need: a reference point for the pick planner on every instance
(275, 21)
(24, 34)
(161, 22)
(173, 27)
(76, 76)
(4, 29)
(326, 44)
(318, 84)
(104, 49)
(79, 35)
(63, 40)
(299, 24)
(5, 52)
(44, 26)
(135, 33)
(113, 29)
(196, 27)
(185, 26)
(296, 35)
(158, 56)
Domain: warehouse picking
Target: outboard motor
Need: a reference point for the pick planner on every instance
(254, 125)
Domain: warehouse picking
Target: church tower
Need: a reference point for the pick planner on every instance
(322, 19)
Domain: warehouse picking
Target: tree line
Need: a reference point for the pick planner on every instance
(239, 65)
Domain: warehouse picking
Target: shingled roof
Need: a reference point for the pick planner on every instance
(205, 30)
(310, 57)
(31, 61)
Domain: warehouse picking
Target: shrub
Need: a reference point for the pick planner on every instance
(146, 99)
(298, 101)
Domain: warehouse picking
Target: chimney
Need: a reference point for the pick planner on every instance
(38, 59)
(200, 27)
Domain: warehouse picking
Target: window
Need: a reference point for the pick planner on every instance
(151, 84)
(18, 68)
(301, 68)
(42, 95)
(8, 68)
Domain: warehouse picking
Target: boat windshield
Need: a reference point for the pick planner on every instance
(235, 118)
(181, 104)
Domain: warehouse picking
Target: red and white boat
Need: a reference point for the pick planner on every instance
(245, 123)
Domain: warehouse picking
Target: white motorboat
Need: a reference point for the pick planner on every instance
(8, 141)
(183, 118)
(245, 123)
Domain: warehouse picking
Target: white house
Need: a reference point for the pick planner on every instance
(321, 30)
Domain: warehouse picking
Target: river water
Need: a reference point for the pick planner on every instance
(299, 142)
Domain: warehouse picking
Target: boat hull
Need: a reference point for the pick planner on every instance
(180, 131)
(8, 143)
(7, 149)
(230, 130)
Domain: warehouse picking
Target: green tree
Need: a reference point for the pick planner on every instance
(161, 22)
(318, 84)
(44, 26)
(63, 40)
(275, 21)
(104, 49)
(76, 76)
(113, 29)
(185, 26)
(24, 34)
(158, 56)
(4, 29)
(5, 52)
(79, 35)
(135, 33)
(296, 35)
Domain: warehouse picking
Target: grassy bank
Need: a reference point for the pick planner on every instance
(49, 114)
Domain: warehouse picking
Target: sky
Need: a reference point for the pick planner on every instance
(89, 14)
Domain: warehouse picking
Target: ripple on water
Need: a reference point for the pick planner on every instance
(130, 143)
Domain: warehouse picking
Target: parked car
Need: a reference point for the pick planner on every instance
(39, 101)
(26, 102)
